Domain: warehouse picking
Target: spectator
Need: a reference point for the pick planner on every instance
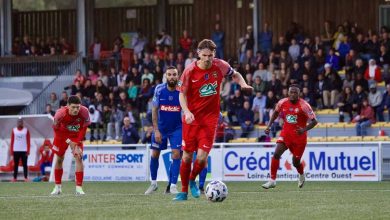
(106, 114)
(348, 81)
(95, 117)
(79, 77)
(333, 59)
(218, 36)
(308, 97)
(114, 124)
(89, 90)
(75, 88)
(165, 40)
(92, 77)
(281, 45)
(364, 119)
(269, 106)
(275, 85)
(384, 62)
(246, 42)
(147, 138)
(345, 103)
(246, 119)
(129, 133)
(220, 133)
(147, 75)
(358, 98)
(260, 85)
(374, 98)
(385, 104)
(103, 77)
(20, 148)
(265, 39)
(322, 91)
(25, 47)
(294, 50)
(138, 43)
(49, 110)
(235, 103)
(335, 87)
(112, 80)
(373, 73)
(54, 101)
(95, 49)
(360, 81)
(185, 43)
(190, 59)
(64, 99)
(258, 107)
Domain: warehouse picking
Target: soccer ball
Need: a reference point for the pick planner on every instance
(216, 191)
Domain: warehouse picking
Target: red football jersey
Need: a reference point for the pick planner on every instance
(294, 116)
(202, 88)
(68, 126)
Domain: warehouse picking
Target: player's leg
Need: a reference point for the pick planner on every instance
(280, 149)
(154, 164)
(202, 179)
(24, 163)
(297, 152)
(58, 171)
(175, 139)
(79, 174)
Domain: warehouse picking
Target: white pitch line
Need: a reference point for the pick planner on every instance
(316, 191)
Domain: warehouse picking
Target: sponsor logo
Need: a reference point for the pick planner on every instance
(208, 89)
(170, 108)
(113, 158)
(292, 119)
(74, 128)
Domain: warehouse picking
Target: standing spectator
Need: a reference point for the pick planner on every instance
(20, 148)
(265, 39)
(384, 62)
(138, 43)
(165, 40)
(345, 103)
(25, 47)
(235, 103)
(185, 43)
(384, 105)
(373, 73)
(246, 119)
(129, 132)
(114, 124)
(95, 117)
(365, 119)
(218, 36)
(327, 36)
(95, 48)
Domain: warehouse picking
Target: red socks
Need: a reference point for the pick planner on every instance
(185, 170)
(79, 178)
(196, 170)
(58, 175)
(274, 168)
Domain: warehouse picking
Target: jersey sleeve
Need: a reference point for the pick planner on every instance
(184, 80)
(279, 104)
(156, 96)
(307, 110)
(225, 68)
(85, 116)
(60, 114)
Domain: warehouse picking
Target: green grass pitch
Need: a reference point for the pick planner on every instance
(246, 200)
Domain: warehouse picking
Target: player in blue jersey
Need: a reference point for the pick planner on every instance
(167, 125)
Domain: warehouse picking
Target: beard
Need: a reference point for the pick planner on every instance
(172, 83)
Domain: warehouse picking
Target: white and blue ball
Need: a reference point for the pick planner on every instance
(216, 191)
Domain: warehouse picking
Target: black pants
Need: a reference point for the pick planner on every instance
(17, 156)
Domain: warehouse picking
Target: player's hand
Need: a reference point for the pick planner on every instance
(157, 136)
(247, 89)
(267, 130)
(77, 153)
(300, 131)
(189, 117)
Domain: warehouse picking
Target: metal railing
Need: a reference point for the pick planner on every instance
(34, 65)
(65, 78)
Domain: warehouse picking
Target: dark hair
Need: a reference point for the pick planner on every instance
(74, 99)
(207, 44)
(295, 86)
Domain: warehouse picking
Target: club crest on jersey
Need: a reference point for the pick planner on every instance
(296, 110)
(179, 83)
(170, 98)
(206, 76)
(208, 89)
(78, 119)
(215, 74)
(74, 128)
(292, 119)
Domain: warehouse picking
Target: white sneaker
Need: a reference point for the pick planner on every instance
(173, 189)
(117, 138)
(152, 188)
(56, 191)
(79, 190)
(109, 138)
(269, 184)
(301, 180)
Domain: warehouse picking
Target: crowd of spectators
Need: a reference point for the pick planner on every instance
(338, 68)
(41, 47)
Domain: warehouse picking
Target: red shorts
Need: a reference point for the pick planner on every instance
(198, 137)
(296, 146)
(60, 146)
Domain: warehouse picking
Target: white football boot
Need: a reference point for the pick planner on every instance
(79, 190)
(301, 180)
(56, 191)
(270, 184)
(152, 188)
(173, 189)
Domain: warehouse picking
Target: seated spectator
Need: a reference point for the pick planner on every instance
(385, 104)
(374, 98)
(79, 77)
(384, 62)
(246, 119)
(235, 103)
(49, 110)
(345, 103)
(189, 59)
(64, 99)
(373, 72)
(260, 85)
(147, 75)
(322, 91)
(54, 101)
(308, 97)
(46, 156)
(220, 133)
(129, 132)
(364, 119)
(269, 106)
(358, 98)
(258, 107)
(275, 85)
(333, 59)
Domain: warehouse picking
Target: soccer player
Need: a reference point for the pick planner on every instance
(167, 125)
(199, 98)
(70, 125)
(295, 112)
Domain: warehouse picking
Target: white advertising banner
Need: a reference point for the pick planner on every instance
(214, 169)
(321, 164)
(115, 165)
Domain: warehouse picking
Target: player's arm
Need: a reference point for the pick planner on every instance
(188, 116)
(311, 116)
(157, 134)
(237, 77)
(274, 116)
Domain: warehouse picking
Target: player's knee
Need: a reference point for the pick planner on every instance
(277, 156)
(202, 161)
(296, 163)
(175, 154)
(155, 154)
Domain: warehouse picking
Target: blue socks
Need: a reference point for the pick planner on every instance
(202, 177)
(174, 171)
(153, 167)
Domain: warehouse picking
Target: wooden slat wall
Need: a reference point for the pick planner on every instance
(45, 24)
(110, 22)
(233, 21)
(311, 14)
(179, 18)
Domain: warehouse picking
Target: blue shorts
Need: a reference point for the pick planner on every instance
(175, 139)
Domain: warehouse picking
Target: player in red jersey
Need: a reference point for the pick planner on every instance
(295, 113)
(199, 98)
(70, 125)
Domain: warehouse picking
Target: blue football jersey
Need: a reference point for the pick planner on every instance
(169, 110)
